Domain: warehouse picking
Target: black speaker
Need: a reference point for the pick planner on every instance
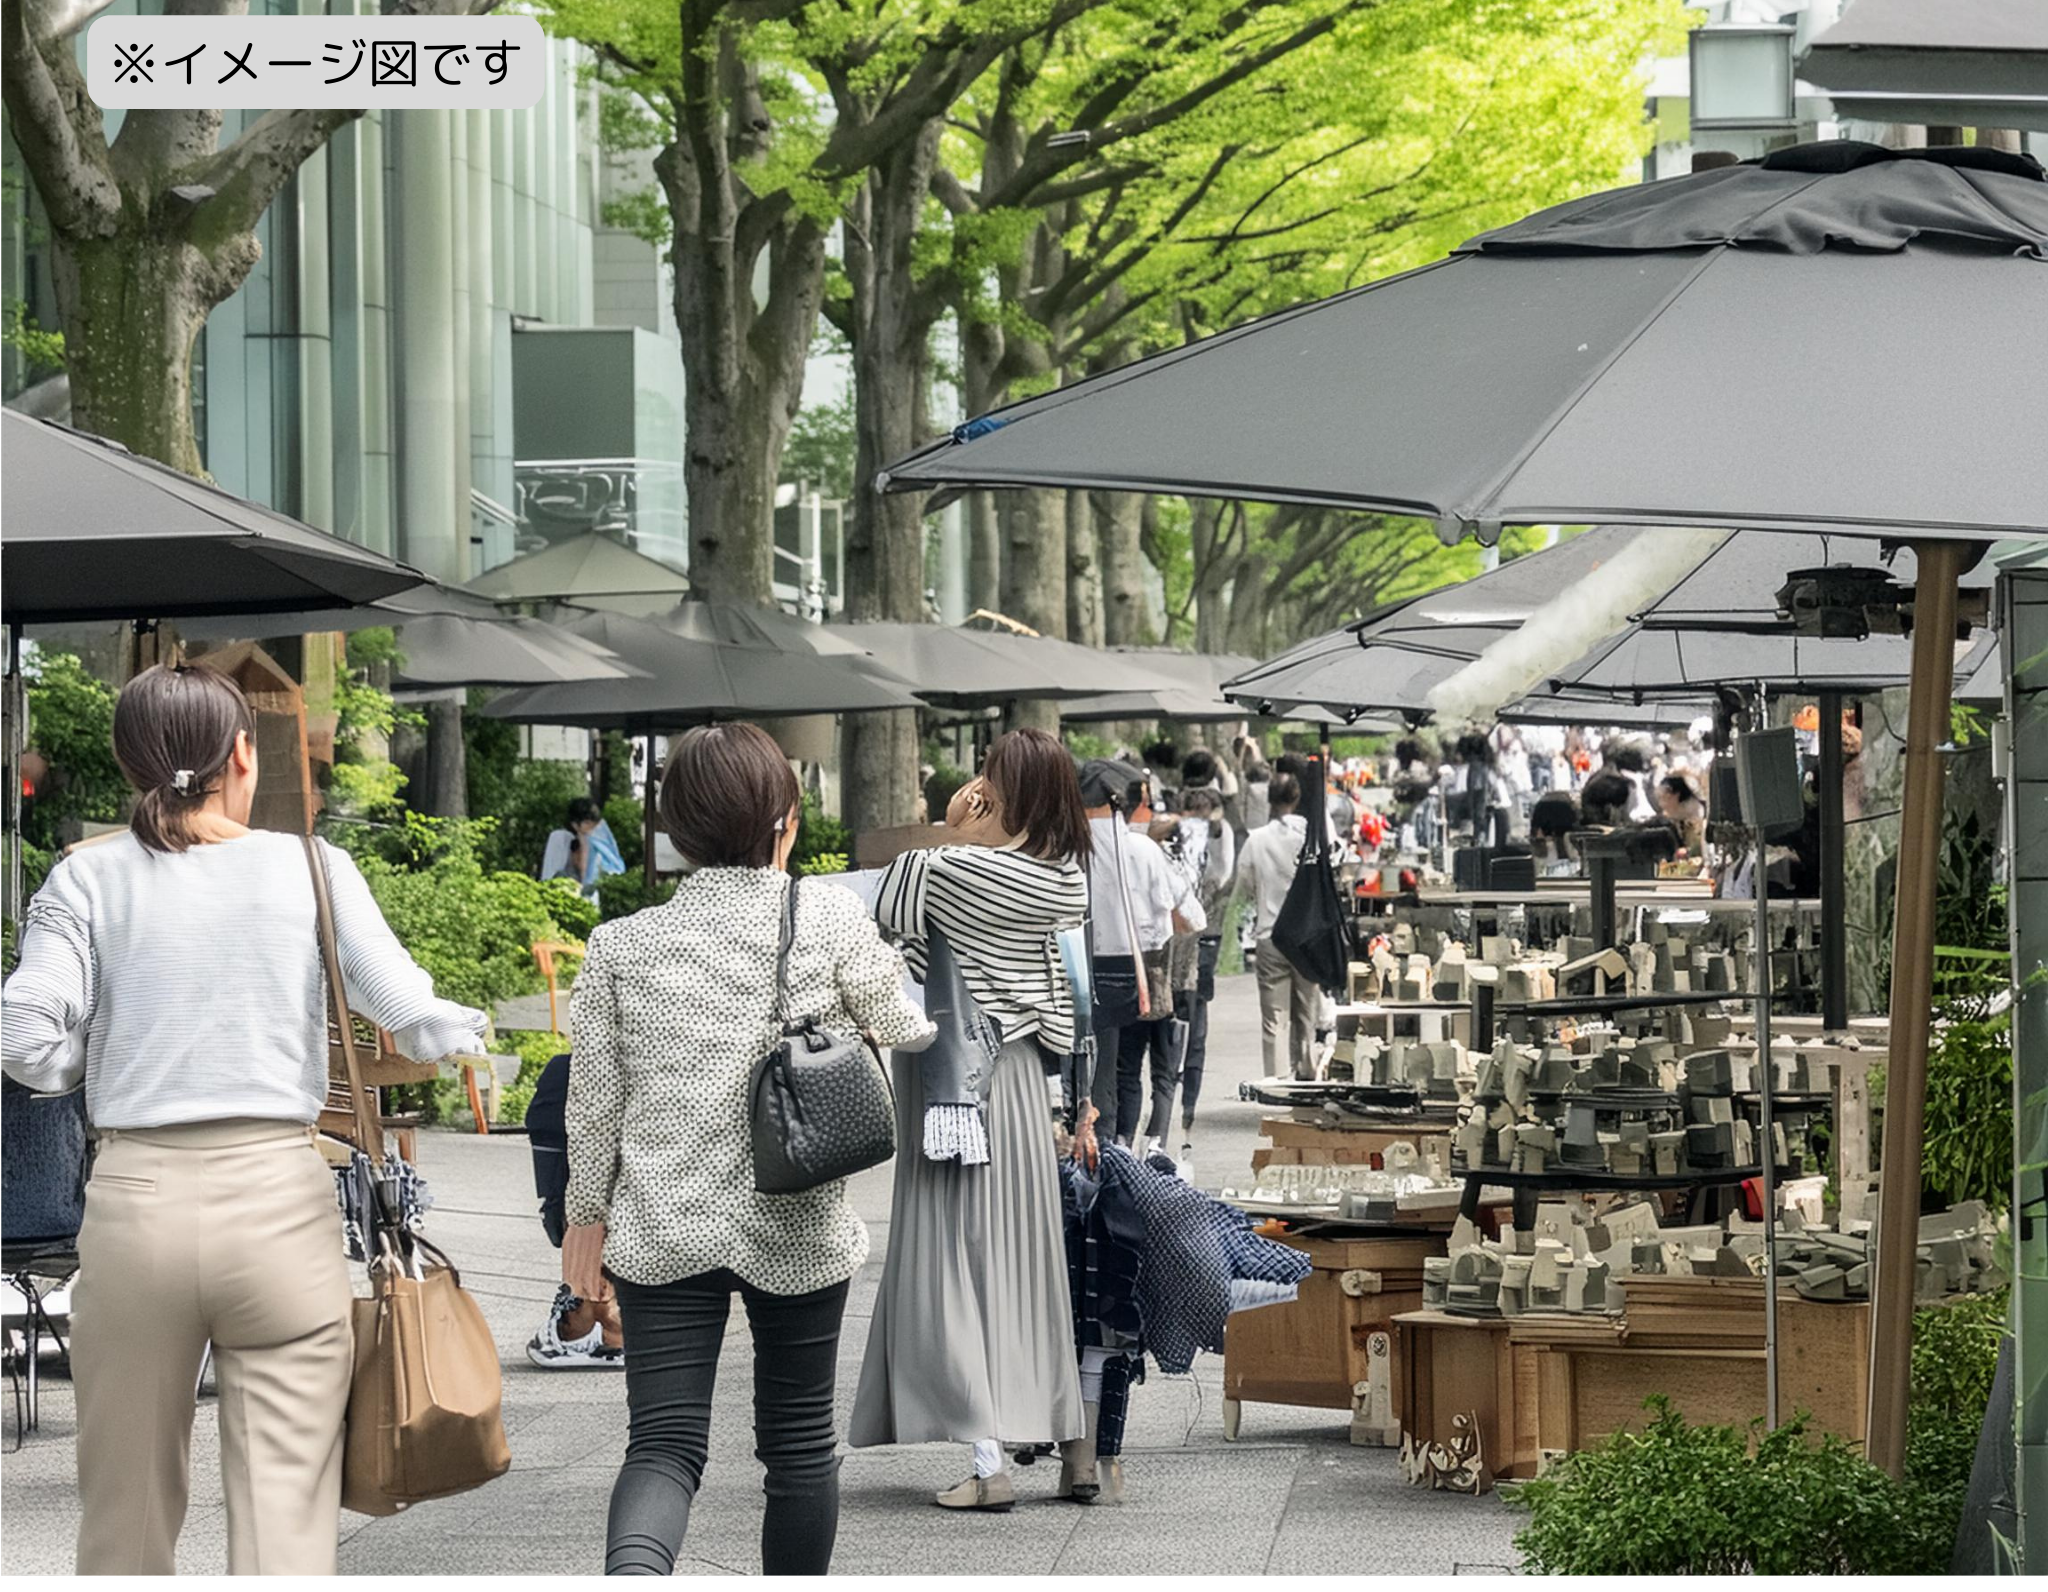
(1767, 773)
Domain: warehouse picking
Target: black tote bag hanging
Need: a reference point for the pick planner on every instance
(1311, 930)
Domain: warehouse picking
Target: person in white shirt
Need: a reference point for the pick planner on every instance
(1135, 910)
(1265, 869)
(1207, 853)
(175, 971)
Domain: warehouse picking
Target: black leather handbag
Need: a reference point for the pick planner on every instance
(821, 1102)
(1312, 929)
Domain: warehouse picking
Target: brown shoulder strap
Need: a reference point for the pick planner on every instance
(369, 1131)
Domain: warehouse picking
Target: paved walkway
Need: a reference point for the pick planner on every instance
(1292, 1496)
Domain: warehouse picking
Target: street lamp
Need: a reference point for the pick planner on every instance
(1742, 77)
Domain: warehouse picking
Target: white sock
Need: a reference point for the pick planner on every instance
(988, 1458)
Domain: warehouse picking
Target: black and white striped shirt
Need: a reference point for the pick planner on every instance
(1000, 910)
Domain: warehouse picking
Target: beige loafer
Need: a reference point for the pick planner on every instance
(994, 1495)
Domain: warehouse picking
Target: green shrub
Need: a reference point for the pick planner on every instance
(1677, 1499)
(535, 1047)
(71, 722)
(823, 862)
(628, 822)
(473, 930)
(819, 834)
(620, 895)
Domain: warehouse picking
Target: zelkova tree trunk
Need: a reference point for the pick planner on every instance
(1120, 532)
(1034, 586)
(890, 326)
(734, 455)
(132, 306)
(1212, 576)
(1084, 572)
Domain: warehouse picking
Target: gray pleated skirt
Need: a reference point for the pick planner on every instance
(973, 1331)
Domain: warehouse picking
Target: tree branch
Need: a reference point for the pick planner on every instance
(250, 172)
(56, 125)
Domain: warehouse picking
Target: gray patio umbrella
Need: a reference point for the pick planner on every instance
(1532, 352)
(955, 666)
(94, 532)
(686, 681)
(447, 637)
(1394, 656)
(1955, 63)
(1196, 699)
(592, 571)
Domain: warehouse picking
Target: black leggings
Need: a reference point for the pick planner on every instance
(673, 1336)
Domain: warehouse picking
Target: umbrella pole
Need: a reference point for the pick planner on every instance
(1912, 999)
(17, 739)
(1834, 949)
(1766, 1117)
(647, 820)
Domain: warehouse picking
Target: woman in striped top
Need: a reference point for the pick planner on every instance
(175, 972)
(972, 1337)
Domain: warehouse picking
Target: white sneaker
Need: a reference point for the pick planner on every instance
(552, 1352)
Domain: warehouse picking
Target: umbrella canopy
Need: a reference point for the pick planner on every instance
(1718, 626)
(685, 681)
(730, 624)
(446, 636)
(1961, 63)
(95, 532)
(953, 666)
(592, 571)
(1531, 356)
(1196, 699)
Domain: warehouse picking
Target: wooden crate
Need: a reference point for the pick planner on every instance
(1466, 1400)
(1592, 1385)
(1316, 1350)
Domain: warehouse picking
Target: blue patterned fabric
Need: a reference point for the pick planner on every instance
(1193, 1248)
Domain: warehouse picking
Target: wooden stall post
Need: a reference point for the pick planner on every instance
(1912, 999)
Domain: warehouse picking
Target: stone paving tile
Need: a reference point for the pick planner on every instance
(1292, 1497)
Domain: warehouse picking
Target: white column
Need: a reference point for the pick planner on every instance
(432, 429)
(380, 484)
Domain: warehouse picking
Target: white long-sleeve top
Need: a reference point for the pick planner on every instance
(188, 987)
(1266, 868)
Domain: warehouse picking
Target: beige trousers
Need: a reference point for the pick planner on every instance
(1287, 1013)
(221, 1232)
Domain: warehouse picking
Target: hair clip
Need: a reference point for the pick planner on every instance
(181, 782)
(780, 825)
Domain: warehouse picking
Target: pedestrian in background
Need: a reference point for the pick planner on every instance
(674, 1007)
(1265, 870)
(175, 972)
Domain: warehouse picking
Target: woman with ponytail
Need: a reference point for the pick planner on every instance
(175, 973)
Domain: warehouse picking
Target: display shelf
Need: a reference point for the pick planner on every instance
(1600, 1005)
(1565, 1181)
